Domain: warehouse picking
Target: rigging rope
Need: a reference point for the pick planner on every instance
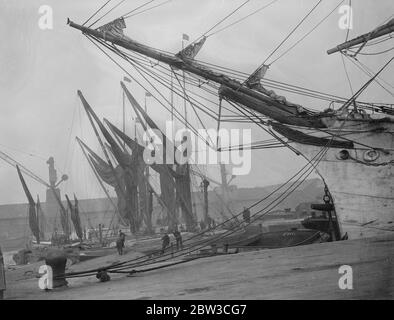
(97, 11)
(317, 157)
(138, 82)
(147, 9)
(104, 15)
(369, 73)
(361, 90)
(243, 18)
(347, 75)
(141, 6)
(284, 40)
(372, 53)
(232, 230)
(222, 20)
(307, 34)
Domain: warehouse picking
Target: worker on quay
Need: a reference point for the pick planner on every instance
(178, 238)
(246, 215)
(166, 242)
(2, 276)
(120, 242)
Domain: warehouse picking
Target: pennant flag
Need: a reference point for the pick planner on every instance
(185, 37)
(126, 79)
(148, 94)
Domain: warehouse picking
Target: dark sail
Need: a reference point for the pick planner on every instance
(167, 175)
(167, 183)
(33, 219)
(183, 195)
(75, 218)
(166, 178)
(127, 185)
(41, 219)
(131, 178)
(105, 172)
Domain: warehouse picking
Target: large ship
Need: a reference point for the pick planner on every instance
(352, 146)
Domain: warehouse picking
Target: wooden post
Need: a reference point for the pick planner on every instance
(205, 184)
(101, 234)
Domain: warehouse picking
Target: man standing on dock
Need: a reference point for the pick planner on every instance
(120, 242)
(246, 215)
(166, 243)
(2, 276)
(178, 238)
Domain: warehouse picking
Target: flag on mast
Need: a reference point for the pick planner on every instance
(185, 37)
(126, 79)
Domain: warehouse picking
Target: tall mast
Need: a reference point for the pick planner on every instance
(205, 184)
(378, 32)
(124, 116)
(184, 85)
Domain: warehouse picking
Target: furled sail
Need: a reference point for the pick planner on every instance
(76, 220)
(33, 219)
(300, 137)
(114, 28)
(41, 219)
(191, 50)
(254, 82)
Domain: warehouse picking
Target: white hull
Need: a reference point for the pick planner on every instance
(362, 187)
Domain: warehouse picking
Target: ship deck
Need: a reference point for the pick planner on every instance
(303, 272)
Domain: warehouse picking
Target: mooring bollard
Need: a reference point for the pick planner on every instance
(57, 260)
(103, 276)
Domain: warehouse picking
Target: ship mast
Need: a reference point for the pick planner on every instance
(377, 33)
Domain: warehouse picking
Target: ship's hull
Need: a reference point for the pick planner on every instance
(360, 180)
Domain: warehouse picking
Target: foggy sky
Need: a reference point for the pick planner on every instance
(40, 72)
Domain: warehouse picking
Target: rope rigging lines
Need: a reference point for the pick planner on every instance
(287, 37)
(221, 21)
(243, 18)
(308, 33)
(127, 15)
(156, 76)
(298, 178)
(148, 9)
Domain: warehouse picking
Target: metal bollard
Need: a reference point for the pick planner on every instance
(57, 260)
